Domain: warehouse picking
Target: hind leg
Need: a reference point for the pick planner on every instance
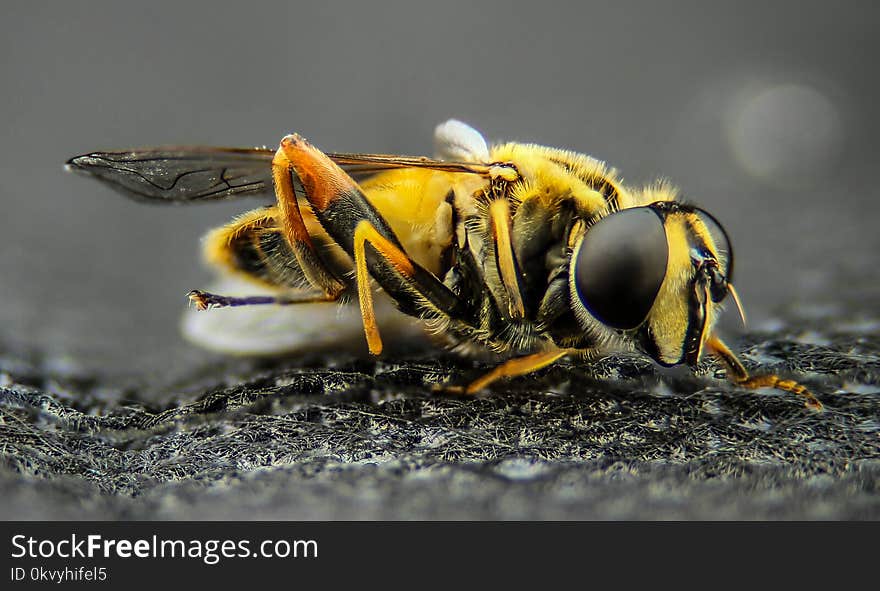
(294, 229)
(205, 300)
(354, 224)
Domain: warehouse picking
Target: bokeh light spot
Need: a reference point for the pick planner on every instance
(785, 134)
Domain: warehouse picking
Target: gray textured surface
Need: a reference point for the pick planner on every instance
(356, 439)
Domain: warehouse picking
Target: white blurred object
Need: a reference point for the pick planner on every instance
(786, 134)
(454, 140)
(275, 329)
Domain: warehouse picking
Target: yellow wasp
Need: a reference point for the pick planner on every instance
(529, 252)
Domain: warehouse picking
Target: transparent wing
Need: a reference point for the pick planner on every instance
(196, 173)
(180, 174)
(356, 164)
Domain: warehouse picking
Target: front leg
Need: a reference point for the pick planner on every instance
(739, 375)
(353, 222)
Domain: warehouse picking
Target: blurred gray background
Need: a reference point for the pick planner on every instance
(765, 113)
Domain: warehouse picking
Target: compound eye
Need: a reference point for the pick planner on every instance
(620, 266)
(722, 243)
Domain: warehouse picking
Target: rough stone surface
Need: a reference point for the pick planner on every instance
(353, 439)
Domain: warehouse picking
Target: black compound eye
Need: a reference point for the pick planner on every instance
(722, 243)
(621, 265)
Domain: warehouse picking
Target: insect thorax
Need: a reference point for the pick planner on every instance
(557, 195)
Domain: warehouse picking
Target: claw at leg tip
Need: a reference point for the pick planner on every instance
(198, 298)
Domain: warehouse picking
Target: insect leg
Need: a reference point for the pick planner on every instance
(505, 260)
(353, 222)
(295, 231)
(517, 366)
(739, 375)
(205, 300)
